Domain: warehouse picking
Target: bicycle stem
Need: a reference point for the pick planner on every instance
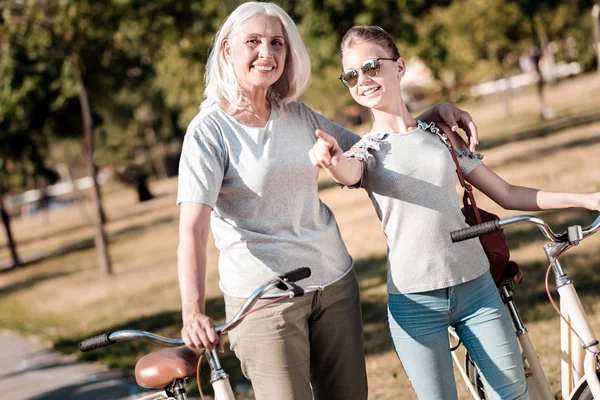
(217, 372)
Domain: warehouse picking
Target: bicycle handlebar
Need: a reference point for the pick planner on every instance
(492, 226)
(475, 231)
(106, 339)
(283, 282)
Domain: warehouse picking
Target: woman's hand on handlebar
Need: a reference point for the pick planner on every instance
(199, 332)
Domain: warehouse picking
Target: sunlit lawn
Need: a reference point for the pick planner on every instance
(65, 297)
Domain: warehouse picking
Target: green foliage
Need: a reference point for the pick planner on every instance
(469, 41)
(143, 61)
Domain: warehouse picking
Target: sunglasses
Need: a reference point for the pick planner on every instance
(370, 68)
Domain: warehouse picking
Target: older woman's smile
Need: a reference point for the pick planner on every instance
(258, 51)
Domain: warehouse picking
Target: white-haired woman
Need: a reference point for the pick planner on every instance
(245, 172)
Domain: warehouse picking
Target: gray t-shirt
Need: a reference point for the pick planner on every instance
(411, 180)
(267, 217)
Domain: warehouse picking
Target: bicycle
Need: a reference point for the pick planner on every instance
(168, 370)
(580, 364)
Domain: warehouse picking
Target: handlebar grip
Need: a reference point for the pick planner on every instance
(95, 342)
(475, 231)
(296, 275)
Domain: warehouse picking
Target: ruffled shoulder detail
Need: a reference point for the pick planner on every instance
(460, 152)
(468, 154)
(370, 141)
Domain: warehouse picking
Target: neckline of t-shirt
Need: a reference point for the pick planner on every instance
(389, 134)
(272, 117)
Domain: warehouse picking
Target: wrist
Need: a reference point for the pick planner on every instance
(188, 315)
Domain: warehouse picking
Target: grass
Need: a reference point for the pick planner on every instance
(62, 297)
(569, 98)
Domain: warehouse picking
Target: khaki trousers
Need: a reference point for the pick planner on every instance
(314, 340)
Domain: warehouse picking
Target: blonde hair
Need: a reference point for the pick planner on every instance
(369, 34)
(221, 84)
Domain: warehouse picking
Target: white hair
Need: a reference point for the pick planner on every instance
(221, 84)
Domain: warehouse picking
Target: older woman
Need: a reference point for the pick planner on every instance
(245, 172)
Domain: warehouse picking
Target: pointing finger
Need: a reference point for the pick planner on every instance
(329, 140)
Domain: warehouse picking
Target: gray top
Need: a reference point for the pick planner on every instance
(411, 180)
(267, 217)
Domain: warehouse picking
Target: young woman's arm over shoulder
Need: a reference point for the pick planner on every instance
(326, 153)
(455, 118)
(512, 197)
(457, 141)
(194, 227)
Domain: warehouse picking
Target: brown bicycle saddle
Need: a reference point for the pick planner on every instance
(156, 370)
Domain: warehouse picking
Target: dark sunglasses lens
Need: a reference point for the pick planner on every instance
(349, 78)
(371, 67)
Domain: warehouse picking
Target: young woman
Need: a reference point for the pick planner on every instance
(409, 175)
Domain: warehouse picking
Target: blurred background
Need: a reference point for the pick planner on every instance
(95, 98)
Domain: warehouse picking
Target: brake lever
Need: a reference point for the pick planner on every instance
(286, 286)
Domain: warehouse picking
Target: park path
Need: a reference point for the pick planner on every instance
(34, 371)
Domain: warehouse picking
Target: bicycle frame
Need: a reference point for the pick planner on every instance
(579, 360)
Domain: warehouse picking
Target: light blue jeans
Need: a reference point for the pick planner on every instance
(418, 325)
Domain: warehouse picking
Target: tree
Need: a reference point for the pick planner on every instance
(596, 19)
(68, 47)
(6, 222)
(25, 102)
(469, 41)
(71, 66)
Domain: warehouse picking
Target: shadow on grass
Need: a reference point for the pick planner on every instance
(544, 130)
(376, 332)
(73, 228)
(124, 355)
(29, 283)
(372, 274)
(87, 243)
(549, 151)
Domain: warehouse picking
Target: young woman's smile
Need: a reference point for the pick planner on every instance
(370, 91)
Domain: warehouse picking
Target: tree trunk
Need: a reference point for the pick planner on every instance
(596, 16)
(95, 194)
(11, 242)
